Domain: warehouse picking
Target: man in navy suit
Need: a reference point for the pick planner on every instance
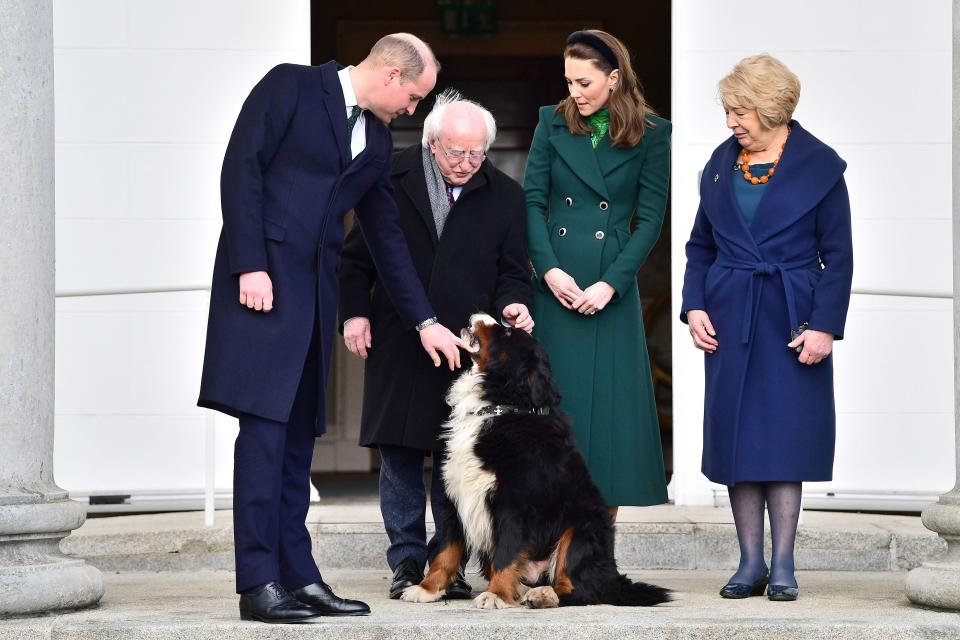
(310, 144)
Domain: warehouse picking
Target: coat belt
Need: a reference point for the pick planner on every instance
(754, 292)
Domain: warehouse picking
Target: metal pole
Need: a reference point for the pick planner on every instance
(210, 470)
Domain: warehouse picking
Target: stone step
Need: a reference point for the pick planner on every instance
(663, 537)
(202, 606)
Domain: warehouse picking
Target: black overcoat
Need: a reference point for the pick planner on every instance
(286, 184)
(478, 264)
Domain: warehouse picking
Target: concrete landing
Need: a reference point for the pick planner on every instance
(662, 537)
(202, 606)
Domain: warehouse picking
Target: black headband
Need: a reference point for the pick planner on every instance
(594, 42)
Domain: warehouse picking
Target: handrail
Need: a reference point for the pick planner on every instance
(210, 425)
(122, 291)
(177, 288)
(903, 294)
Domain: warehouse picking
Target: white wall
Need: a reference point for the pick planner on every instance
(875, 86)
(146, 96)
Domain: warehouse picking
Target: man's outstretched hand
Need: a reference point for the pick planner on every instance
(437, 339)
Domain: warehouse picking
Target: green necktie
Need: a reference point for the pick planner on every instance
(351, 123)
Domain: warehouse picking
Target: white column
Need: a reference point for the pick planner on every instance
(937, 584)
(34, 513)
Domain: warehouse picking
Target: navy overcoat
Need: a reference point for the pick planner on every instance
(287, 182)
(767, 417)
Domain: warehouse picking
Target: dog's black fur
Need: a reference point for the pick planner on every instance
(543, 488)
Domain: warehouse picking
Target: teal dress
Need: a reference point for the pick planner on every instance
(748, 195)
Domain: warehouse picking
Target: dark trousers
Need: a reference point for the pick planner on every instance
(403, 503)
(271, 492)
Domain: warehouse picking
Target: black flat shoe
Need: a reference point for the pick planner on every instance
(274, 605)
(407, 574)
(459, 589)
(319, 596)
(781, 593)
(738, 590)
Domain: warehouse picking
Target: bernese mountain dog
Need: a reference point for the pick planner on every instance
(520, 495)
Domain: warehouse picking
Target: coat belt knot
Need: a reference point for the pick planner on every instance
(761, 268)
(764, 269)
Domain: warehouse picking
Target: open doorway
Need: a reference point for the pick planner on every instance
(512, 69)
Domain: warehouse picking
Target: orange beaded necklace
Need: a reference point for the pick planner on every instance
(744, 163)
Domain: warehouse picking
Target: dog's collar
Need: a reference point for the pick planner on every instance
(502, 409)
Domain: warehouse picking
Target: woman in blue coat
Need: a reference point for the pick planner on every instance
(765, 294)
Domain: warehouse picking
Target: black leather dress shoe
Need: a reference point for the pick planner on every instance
(738, 591)
(459, 589)
(407, 574)
(273, 604)
(782, 593)
(319, 596)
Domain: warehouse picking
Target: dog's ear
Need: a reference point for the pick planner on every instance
(532, 379)
(543, 390)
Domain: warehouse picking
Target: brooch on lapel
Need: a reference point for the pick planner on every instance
(716, 177)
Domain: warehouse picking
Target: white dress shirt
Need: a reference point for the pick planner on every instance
(358, 141)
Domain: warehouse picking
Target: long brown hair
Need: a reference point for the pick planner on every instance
(628, 108)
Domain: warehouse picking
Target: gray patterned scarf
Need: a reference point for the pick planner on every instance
(436, 190)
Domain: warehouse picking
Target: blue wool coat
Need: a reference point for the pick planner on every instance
(287, 182)
(767, 417)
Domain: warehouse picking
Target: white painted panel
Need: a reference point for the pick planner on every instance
(247, 25)
(93, 181)
(845, 98)
(902, 382)
(132, 253)
(894, 452)
(878, 188)
(176, 181)
(131, 362)
(153, 96)
(153, 181)
(147, 94)
(787, 25)
(126, 453)
(90, 23)
(226, 430)
(903, 255)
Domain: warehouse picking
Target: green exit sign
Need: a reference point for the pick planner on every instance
(468, 17)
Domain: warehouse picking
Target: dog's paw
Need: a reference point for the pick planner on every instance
(416, 593)
(541, 598)
(488, 600)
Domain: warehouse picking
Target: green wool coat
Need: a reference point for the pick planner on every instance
(581, 206)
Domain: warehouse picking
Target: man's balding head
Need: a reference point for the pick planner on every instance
(398, 73)
(407, 52)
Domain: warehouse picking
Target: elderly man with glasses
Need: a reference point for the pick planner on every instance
(465, 225)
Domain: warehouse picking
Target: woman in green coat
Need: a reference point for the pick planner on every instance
(596, 187)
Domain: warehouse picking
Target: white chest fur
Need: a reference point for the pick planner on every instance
(466, 481)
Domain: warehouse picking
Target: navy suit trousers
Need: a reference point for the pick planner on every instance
(403, 503)
(271, 491)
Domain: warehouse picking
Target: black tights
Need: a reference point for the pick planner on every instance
(782, 500)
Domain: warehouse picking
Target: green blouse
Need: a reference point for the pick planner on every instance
(599, 125)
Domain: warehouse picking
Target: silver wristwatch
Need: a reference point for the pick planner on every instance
(426, 323)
